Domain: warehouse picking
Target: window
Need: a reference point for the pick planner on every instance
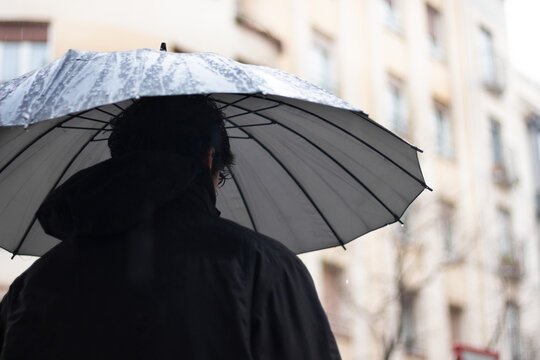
(504, 234)
(444, 130)
(456, 315)
(447, 229)
(533, 123)
(511, 266)
(496, 143)
(513, 331)
(537, 147)
(503, 169)
(333, 287)
(23, 47)
(491, 77)
(396, 105)
(405, 235)
(434, 28)
(408, 322)
(391, 14)
(239, 6)
(323, 72)
(332, 284)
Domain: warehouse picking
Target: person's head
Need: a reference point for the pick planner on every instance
(191, 126)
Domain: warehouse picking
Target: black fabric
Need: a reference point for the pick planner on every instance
(148, 270)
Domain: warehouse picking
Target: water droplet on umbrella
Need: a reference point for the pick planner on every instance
(26, 120)
(402, 225)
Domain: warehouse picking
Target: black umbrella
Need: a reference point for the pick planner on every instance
(311, 170)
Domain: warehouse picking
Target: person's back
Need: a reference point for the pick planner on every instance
(147, 269)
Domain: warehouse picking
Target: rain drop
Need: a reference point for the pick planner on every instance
(26, 118)
(402, 225)
(347, 282)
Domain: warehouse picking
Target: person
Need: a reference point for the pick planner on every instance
(148, 270)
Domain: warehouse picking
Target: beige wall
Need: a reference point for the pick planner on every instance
(366, 52)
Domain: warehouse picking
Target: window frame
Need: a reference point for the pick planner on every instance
(397, 112)
(444, 130)
(326, 78)
(25, 37)
(435, 33)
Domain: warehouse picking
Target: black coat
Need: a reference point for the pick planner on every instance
(148, 270)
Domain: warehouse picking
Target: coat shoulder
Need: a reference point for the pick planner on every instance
(270, 249)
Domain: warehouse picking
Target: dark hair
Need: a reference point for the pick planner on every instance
(188, 125)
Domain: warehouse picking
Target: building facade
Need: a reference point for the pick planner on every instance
(465, 268)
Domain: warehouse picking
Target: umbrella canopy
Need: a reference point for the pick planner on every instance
(311, 170)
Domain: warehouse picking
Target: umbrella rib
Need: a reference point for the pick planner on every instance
(421, 182)
(253, 111)
(243, 199)
(250, 125)
(106, 112)
(366, 117)
(20, 152)
(96, 120)
(114, 116)
(54, 187)
(119, 107)
(297, 184)
(82, 128)
(234, 102)
(396, 218)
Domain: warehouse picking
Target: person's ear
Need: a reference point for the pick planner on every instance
(209, 159)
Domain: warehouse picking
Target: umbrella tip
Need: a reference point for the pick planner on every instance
(163, 47)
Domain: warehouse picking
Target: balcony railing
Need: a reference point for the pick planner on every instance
(511, 265)
(510, 268)
(503, 172)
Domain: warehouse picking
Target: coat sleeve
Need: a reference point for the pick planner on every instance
(5, 308)
(3, 320)
(290, 322)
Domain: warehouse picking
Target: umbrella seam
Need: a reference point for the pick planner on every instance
(396, 218)
(243, 199)
(71, 117)
(23, 238)
(296, 182)
(366, 117)
(421, 182)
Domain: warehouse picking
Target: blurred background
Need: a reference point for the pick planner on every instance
(462, 276)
